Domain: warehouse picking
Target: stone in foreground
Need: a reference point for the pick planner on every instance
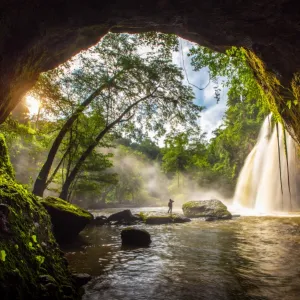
(210, 209)
(135, 237)
(67, 219)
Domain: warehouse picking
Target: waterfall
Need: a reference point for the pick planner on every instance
(259, 186)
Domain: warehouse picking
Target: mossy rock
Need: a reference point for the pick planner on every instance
(67, 219)
(158, 219)
(206, 209)
(28, 250)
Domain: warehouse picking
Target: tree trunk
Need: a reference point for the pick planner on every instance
(88, 151)
(41, 181)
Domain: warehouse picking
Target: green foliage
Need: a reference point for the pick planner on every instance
(30, 246)
(166, 43)
(217, 163)
(231, 68)
(27, 146)
(143, 216)
(2, 255)
(40, 259)
(33, 237)
(5, 164)
(127, 93)
(145, 146)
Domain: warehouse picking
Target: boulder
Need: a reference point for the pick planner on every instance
(67, 219)
(99, 220)
(81, 279)
(135, 237)
(210, 209)
(123, 217)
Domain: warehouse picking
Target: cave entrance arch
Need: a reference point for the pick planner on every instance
(37, 36)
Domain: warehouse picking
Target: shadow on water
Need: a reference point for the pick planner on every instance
(246, 258)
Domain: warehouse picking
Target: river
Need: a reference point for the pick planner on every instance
(255, 258)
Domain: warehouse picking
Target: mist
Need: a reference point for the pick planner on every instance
(155, 187)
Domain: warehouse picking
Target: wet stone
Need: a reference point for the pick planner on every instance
(81, 279)
(135, 237)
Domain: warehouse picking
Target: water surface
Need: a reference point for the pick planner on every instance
(244, 258)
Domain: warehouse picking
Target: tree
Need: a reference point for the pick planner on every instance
(124, 87)
(66, 87)
(149, 96)
(231, 68)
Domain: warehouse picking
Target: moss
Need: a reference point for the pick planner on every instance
(143, 216)
(66, 206)
(68, 220)
(206, 208)
(147, 216)
(283, 101)
(268, 82)
(6, 168)
(159, 218)
(29, 245)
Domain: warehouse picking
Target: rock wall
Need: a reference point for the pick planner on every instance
(36, 36)
(31, 264)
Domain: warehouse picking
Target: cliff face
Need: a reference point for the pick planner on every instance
(31, 264)
(36, 36)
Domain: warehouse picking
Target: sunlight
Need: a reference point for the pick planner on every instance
(33, 105)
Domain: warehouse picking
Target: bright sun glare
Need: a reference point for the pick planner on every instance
(33, 105)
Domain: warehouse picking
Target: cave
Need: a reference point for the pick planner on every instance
(38, 36)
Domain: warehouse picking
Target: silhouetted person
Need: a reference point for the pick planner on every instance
(170, 204)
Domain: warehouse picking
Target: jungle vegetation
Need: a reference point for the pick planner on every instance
(95, 140)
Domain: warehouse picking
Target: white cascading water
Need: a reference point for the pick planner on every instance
(259, 185)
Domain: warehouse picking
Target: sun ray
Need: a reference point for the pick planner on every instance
(33, 105)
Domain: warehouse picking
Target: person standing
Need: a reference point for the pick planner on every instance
(170, 204)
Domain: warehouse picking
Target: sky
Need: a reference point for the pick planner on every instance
(211, 117)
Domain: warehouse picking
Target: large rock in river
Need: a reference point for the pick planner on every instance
(123, 217)
(135, 237)
(211, 209)
(67, 219)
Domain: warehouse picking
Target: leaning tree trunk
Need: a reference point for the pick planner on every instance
(41, 181)
(65, 189)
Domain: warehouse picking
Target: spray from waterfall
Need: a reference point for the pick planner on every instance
(270, 178)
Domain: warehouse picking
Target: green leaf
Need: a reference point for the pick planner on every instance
(2, 255)
(34, 238)
(40, 259)
(30, 246)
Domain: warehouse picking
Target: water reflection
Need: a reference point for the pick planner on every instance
(246, 258)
